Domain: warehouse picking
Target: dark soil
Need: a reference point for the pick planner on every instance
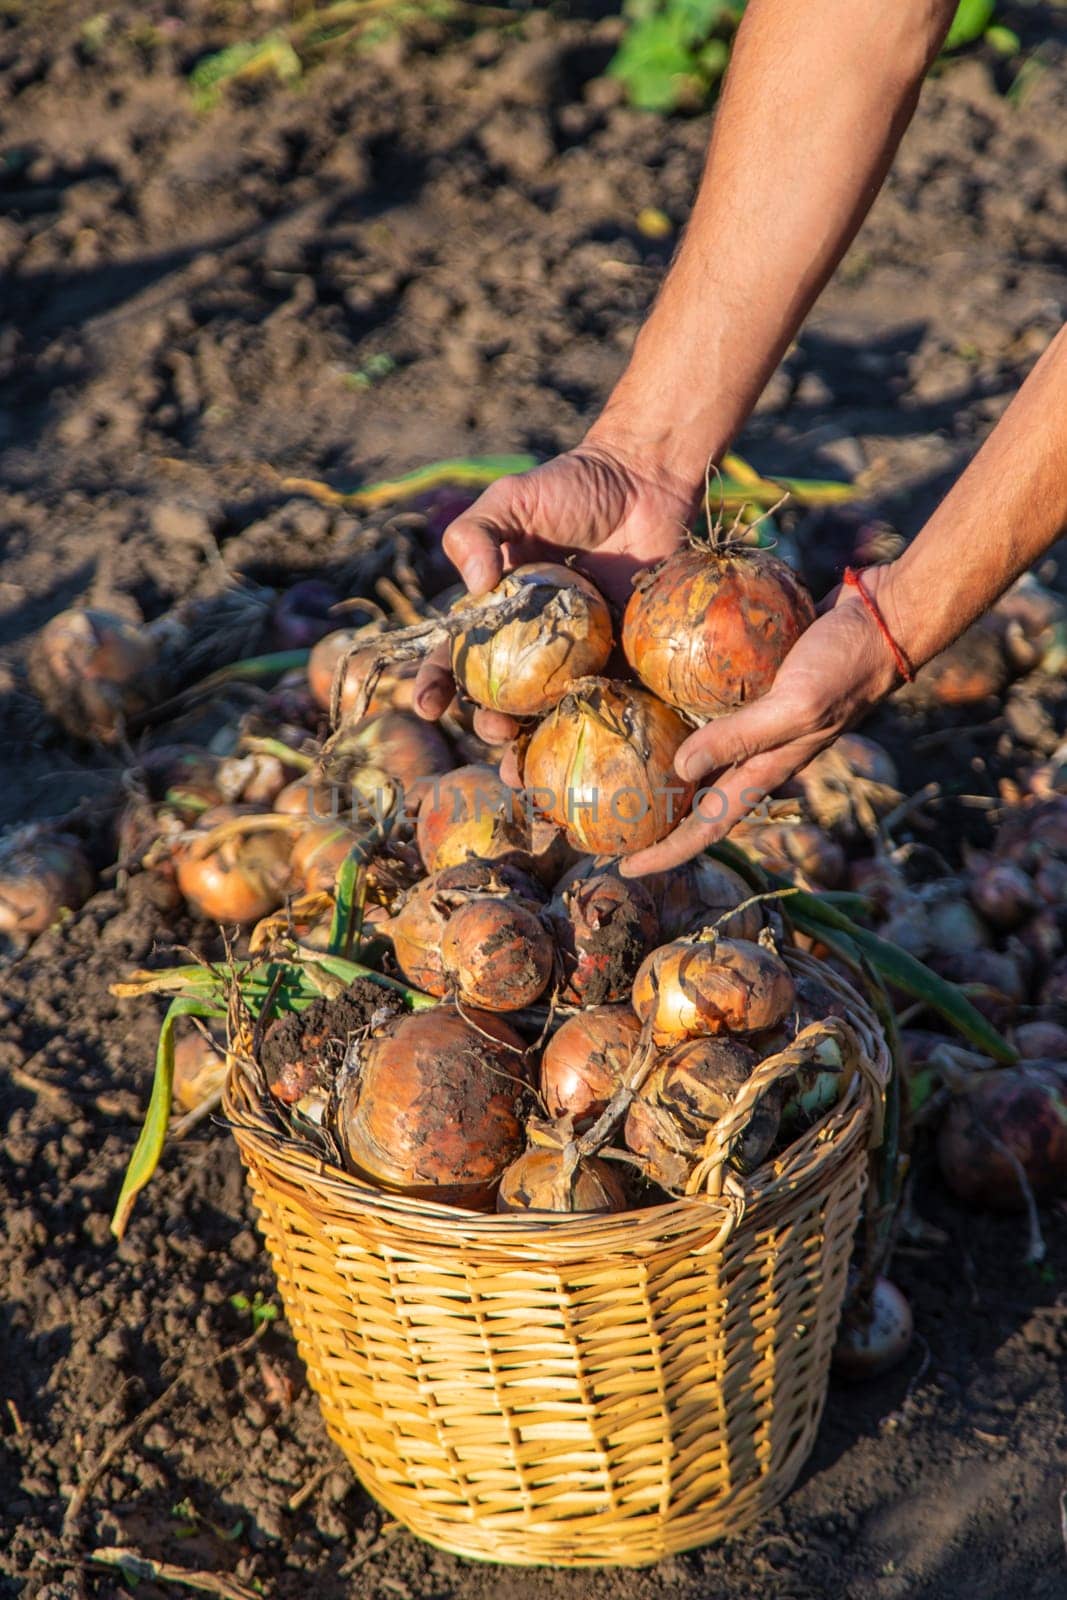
(192, 306)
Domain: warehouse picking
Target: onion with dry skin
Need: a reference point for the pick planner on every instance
(604, 926)
(709, 627)
(199, 1069)
(699, 894)
(526, 665)
(392, 747)
(433, 1106)
(798, 850)
(688, 1092)
(470, 814)
(541, 1181)
(417, 928)
(394, 690)
(92, 671)
(1011, 1120)
(875, 1337)
(240, 880)
(1002, 892)
(496, 954)
(706, 985)
(584, 1062)
(318, 854)
(601, 766)
(41, 875)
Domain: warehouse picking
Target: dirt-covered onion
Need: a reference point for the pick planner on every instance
(496, 954)
(798, 850)
(92, 671)
(688, 1092)
(701, 986)
(584, 1061)
(698, 894)
(876, 1336)
(540, 1181)
(526, 665)
(41, 875)
(601, 766)
(1011, 1119)
(433, 1106)
(470, 814)
(604, 926)
(708, 629)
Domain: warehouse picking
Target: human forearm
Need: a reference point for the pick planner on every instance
(998, 518)
(815, 103)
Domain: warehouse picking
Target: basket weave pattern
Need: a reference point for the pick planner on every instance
(573, 1390)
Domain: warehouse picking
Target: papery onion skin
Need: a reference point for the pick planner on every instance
(91, 670)
(434, 1108)
(698, 894)
(687, 1093)
(601, 766)
(417, 928)
(199, 1070)
(240, 881)
(526, 666)
(496, 954)
(867, 1347)
(390, 747)
(318, 854)
(584, 1061)
(394, 691)
(1021, 1110)
(470, 814)
(708, 629)
(694, 986)
(603, 926)
(794, 849)
(537, 1182)
(41, 875)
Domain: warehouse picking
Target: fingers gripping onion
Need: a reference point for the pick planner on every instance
(706, 985)
(526, 666)
(708, 629)
(584, 1062)
(433, 1105)
(601, 766)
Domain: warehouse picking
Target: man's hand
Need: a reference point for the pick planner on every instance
(836, 670)
(613, 515)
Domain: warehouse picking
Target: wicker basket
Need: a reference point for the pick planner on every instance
(575, 1390)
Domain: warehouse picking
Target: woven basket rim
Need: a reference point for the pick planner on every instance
(301, 1171)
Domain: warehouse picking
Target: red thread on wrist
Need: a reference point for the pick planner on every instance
(854, 580)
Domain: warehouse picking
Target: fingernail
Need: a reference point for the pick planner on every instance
(685, 766)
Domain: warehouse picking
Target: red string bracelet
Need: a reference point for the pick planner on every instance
(854, 580)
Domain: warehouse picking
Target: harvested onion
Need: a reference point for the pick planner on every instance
(91, 670)
(496, 954)
(700, 893)
(469, 814)
(540, 1181)
(526, 665)
(41, 875)
(705, 985)
(318, 854)
(1012, 1119)
(199, 1070)
(709, 627)
(685, 1096)
(601, 766)
(875, 1337)
(417, 928)
(392, 747)
(433, 1106)
(239, 881)
(795, 849)
(584, 1062)
(604, 926)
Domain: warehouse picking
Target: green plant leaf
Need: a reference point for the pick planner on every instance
(970, 22)
(654, 61)
(248, 58)
(150, 1140)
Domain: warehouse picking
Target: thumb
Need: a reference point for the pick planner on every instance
(729, 740)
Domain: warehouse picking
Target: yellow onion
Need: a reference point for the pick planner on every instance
(496, 954)
(318, 854)
(433, 1106)
(601, 766)
(392, 747)
(417, 928)
(875, 1336)
(91, 670)
(604, 926)
(698, 894)
(259, 778)
(708, 628)
(239, 881)
(41, 875)
(705, 985)
(526, 665)
(199, 1069)
(687, 1093)
(540, 1181)
(321, 802)
(795, 849)
(584, 1062)
(394, 690)
(470, 814)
